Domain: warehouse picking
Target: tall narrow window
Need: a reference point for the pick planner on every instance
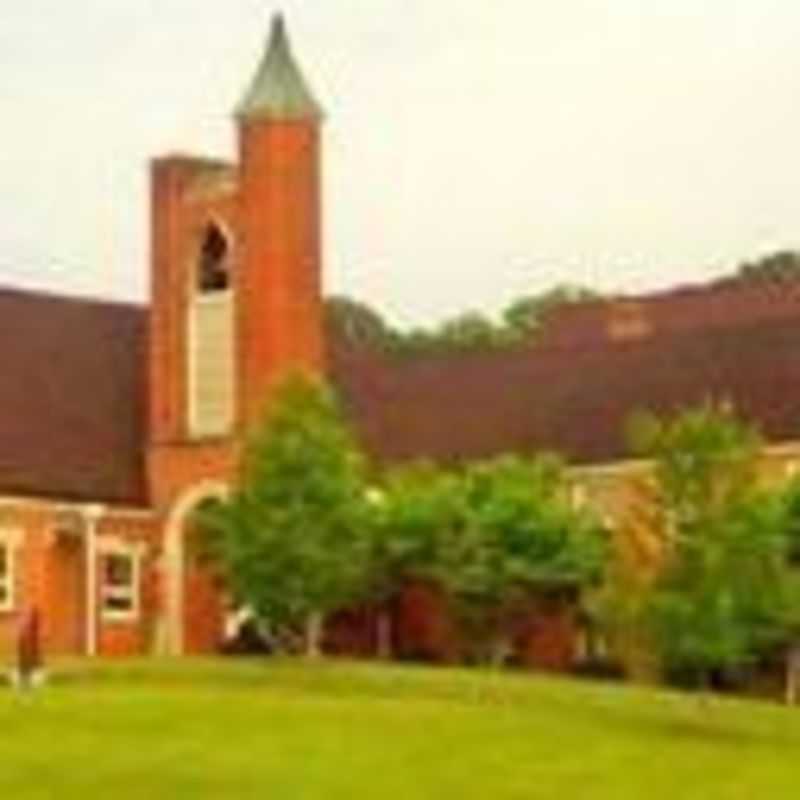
(213, 269)
(210, 340)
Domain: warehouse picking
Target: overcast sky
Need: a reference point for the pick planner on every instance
(474, 151)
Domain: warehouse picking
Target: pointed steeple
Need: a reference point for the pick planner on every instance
(278, 90)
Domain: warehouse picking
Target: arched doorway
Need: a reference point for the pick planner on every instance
(182, 578)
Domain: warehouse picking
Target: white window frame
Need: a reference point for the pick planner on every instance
(8, 581)
(131, 592)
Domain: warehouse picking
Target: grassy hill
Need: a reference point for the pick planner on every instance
(237, 730)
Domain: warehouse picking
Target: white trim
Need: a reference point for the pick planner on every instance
(92, 514)
(787, 449)
(173, 567)
(33, 502)
(610, 468)
(213, 298)
(8, 542)
(111, 545)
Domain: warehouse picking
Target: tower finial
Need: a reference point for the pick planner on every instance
(279, 90)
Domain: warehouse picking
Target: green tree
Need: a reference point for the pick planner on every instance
(290, 540)
(717, 600)
(357, 323)
(789, 614)
(468, 331)
(526, 315)
(416, 514)
(519, 538)
(783, 265)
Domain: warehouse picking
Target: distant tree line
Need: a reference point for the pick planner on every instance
(521, 321)
(783, 265)
(361, 324)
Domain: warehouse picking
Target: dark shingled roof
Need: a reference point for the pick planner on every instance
(71, 398)
(575, 392)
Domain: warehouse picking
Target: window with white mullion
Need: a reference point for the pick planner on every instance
(120, 585)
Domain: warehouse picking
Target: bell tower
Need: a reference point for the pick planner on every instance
(236, 296)
(280, 317)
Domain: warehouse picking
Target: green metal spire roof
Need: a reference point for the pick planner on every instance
(279, 90)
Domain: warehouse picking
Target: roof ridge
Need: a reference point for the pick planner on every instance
(51, 295)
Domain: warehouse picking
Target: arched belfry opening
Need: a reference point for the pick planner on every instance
(210, 335)
(214, 261)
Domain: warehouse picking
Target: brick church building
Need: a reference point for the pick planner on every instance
(117, 421)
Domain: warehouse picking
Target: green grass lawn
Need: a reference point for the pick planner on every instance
(212, 729)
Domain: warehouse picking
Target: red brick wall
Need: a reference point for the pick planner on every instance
(172, 469)
(117, 638)
(181, 208)
(280, 309)
(546, 638)
(424, 628)
(543, 637)
(30, 571)
(50, 571)
(166, 376)
(65, 614)
(204, 611)
(271, 206)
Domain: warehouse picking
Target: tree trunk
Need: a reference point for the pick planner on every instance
(792, 674)
(384, 632)
(315, 624)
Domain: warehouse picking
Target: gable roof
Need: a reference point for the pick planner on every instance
(575, 392)
(71, 398)
(73, 392)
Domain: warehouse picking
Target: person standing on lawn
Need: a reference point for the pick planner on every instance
(29, 670)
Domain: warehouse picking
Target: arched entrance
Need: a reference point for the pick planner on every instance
(181, 579)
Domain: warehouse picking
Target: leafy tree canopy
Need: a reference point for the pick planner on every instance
(360, 324)
(722, 594)
(291, 538)
(519, 539)
(357, 322)
(526, 315)
(780, 266)
(705, 460)
(418, 512)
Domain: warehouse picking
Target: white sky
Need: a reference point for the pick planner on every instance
(474, 150)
